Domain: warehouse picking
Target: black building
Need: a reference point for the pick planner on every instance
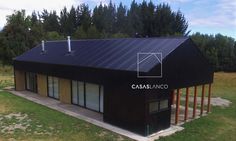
(130, 81)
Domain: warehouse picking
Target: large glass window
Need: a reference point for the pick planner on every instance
(78, 93)
(81, 93)
(75, 97)
(163, 104)
(101, 98)
(88, 95)
(158, 106)
(53, 87)
(31, 81)
(153, 107)
(92, 96)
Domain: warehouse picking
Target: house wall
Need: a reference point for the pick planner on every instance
(159, 120)
(124, 107)
(42, 84)
(65, 90)
(19, 80)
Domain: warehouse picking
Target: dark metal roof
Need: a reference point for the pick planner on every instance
(115, 54)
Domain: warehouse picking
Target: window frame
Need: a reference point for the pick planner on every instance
(28, 77)
(158, 108)
(53, 87)
(156, 111)
(163, 109)
(84, 94)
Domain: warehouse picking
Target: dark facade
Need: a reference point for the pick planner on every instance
(126, 104)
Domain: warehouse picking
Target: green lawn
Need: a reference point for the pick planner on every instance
(45, 124)
(6, 77)
(21, 119)
(220, 125)
(36, 122)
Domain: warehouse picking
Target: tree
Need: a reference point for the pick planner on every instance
(63, 21)
(110, 17)
(121, 19)
(85, 17)
(148, 18)
(36, 29)
(180, 24)
(98, 17)
(119, 35)
(163, 20)
(50, 21)
(135, 24)
(68, 21)
(72, 20)
(218, 49)
(16, 34)
(53, 35)
(93, 33)
(80, 33)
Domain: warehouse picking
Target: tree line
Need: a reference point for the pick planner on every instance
(219, 50)
(145, 19)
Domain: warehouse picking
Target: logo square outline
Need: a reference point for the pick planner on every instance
(149, 54)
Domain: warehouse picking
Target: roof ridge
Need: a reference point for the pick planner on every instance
(171, 37)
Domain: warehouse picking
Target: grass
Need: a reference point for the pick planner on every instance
(21, 119)
(47, 124)
(220, 125)
(6, 77)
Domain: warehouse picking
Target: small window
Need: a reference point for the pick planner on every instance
(153, 107)
(163, 104)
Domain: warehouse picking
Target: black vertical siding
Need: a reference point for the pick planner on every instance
(129, 108)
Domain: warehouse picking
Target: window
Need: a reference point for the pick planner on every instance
(75, 97)
(153, 107)
(78, 93)
(163, 104)
(88, 95)
(92, 96)
(158, 106)
(81, 93)
(31, 81)
(101, 99)
(53, 87)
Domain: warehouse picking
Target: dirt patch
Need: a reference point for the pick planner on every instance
(218, 101)
(215, 101)
(3, 109)
(15, 122)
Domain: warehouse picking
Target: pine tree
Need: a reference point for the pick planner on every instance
(135, 24)
(121, 19)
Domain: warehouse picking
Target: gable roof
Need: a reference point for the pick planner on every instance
(115, 54)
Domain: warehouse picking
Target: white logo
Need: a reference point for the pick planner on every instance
(145, 59)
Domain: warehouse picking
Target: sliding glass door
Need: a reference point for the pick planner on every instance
(53, 87)
(31, 81)
(92, 96)
(87, 95)
(78, 93)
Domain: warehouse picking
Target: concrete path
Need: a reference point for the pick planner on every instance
(215, 101)
(90, 116)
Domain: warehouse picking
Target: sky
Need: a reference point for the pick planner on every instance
(204, 16)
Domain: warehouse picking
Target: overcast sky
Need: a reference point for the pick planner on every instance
(205, 16)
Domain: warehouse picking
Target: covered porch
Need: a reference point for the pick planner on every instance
(190, 103)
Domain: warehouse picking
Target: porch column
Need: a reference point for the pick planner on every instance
(202, 100)
(186, 105)
(195, 101)
(177, 106)
(209, 99)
